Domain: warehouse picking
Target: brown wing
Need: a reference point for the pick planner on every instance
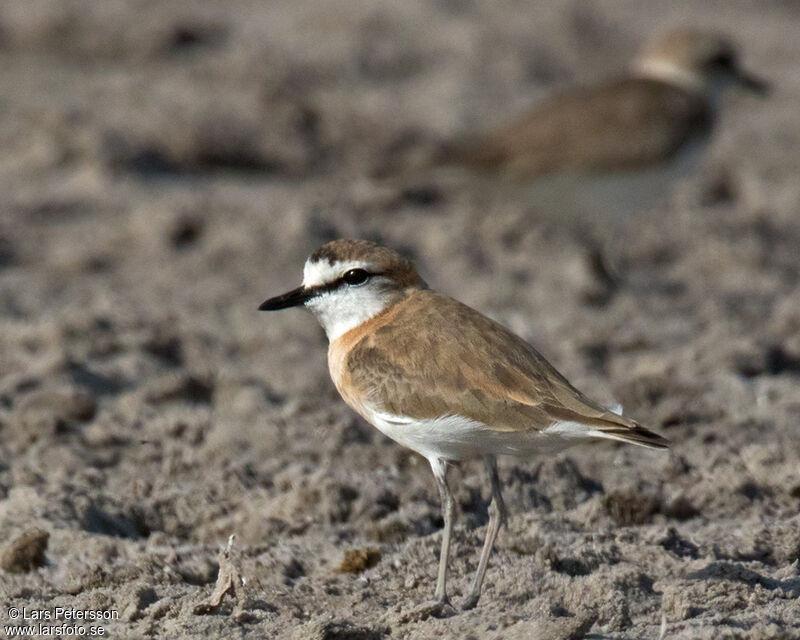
(629, 123)
(467, 365)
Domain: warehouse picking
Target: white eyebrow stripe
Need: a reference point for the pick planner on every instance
(323, 272)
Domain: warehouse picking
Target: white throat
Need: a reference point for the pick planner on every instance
(338, 314)
(343, 309)
(671, 73)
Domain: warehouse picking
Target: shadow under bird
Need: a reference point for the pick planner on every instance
(621, 143)
(442, 379)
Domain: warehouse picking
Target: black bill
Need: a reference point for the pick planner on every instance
(753, 83)
(293, 298)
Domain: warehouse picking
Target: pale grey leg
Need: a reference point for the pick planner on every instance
(497, 518)
(439, 468)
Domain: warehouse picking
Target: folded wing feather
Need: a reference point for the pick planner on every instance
(471, 366)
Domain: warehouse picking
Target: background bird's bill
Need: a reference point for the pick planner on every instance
(750, 81)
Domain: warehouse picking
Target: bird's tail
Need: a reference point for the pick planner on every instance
(421, 157)
(634, 434)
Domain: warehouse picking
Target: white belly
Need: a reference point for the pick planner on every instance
(615, 195)
(459, 438)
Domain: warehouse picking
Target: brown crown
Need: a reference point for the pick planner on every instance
(381, 259)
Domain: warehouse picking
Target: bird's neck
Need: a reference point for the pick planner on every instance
(353, 312)
(340, 346)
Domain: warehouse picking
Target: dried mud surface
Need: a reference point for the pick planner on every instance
(164, 167)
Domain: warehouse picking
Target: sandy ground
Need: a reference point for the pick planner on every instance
(165, 166)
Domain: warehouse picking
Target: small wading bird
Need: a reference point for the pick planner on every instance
(614, 147)
(441, 378)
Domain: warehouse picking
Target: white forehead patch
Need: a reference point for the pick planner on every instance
(323, 272)
(671, 73)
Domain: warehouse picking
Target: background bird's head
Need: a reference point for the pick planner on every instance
(699, 60)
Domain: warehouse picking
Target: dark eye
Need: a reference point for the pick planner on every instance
(356, 276)
(722, 61)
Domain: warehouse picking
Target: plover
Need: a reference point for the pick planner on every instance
(442, 379)
(621, 143)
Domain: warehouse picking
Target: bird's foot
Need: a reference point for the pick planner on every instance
(438, 608)
(470, 601)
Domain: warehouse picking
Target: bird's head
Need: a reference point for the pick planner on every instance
(698, 60)
(347, 282)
